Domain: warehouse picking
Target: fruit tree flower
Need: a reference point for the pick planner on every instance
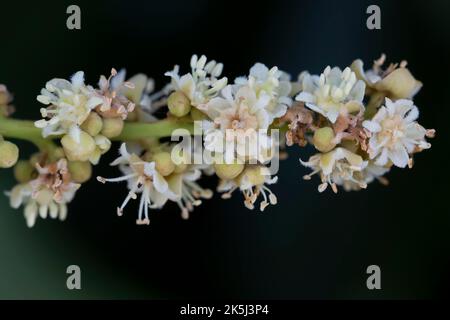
(48, 194)
(142, 178)
(252, 182)
(272, 83)
(396, 81)
(202, 83)
(69, 105)
(335, 167)
(395, 134)
(242, 119)
(333, 93)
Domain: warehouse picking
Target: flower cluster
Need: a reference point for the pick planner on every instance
(361, 124)
(85, 117)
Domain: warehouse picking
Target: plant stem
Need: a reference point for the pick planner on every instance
(159, 129)
(25, 130)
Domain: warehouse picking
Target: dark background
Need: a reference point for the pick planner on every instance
(311, 245)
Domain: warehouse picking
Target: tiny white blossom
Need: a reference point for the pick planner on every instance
(47, 195)
(395, 134)
(271, 82)
(186, 191)
(253, 182)
(335, 167)
(202, 83)
(69, 105)
(142, 178)
(334, 92)
(240, 125)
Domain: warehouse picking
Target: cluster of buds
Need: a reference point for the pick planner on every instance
(361, 124)
(9, 152)
(85, 117)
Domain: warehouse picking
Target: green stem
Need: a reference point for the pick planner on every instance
(25, 130)
(159, 129)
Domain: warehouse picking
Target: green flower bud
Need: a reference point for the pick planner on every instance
(35, 159)
(179, 105)
(57, 154)
(78, 151)
(163, 163)
(93, 124)
(254, 175)
(44, 196)
(23, 171)
(228, 171)
(112, 127)
(197, 115)
(80, 171)
(323, 139)
(9, 154)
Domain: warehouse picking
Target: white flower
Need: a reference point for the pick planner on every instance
(69, 105)
(240, 121)
(111, 91)
(395, 82)
(333, 93)
(360, 179)
(335, 167)
(142, 178)
(252, 183)
(395, 134)
(202, 83)
(186, 191)
(273, 83)
(139, 89)
(46, 195)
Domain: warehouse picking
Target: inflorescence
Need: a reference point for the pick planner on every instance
(362, 123)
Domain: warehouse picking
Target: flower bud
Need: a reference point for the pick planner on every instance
(44, 196)
(23, 171)
(93, 124)
(323, 139)
(78, 151)
(163, 163)
(80, 171)
(112, 127)
(400, 84)
(179, 105)
(180, 160)
(228, 171)
(254, 175)
(57, 154)
(9, 154)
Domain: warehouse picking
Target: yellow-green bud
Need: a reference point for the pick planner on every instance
(80, 171)
(323, 139)
(78, 151)
(254, 175)
(93, 124)
(57, 154)
(179, 105)
(179, 168)
(197, 115)
(9, 154)
(44, 196)
(112, 127)
(228, 171)
(35, 159)
(23, 171)
(163, 163)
